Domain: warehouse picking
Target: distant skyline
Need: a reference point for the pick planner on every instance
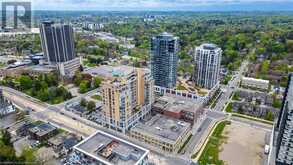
(164, 5)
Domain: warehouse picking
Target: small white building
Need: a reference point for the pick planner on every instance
(255, 83)
(68, 68)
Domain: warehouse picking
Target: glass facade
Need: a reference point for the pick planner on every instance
(164, 49)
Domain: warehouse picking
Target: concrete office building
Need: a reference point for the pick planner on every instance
(42, 131)
(284, 128)
(169, 134)
(179, 108)
(127, 94)
(207, 65)
(58, 46)
(69, 68)
(164, 49)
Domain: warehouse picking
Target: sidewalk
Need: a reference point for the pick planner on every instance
(201, 146)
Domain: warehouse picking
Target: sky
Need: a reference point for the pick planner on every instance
(165, 5)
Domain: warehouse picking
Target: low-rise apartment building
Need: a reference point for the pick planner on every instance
(253, 83)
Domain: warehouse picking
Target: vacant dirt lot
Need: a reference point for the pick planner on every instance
(244, 145)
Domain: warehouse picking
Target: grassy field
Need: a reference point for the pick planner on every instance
(210, 154)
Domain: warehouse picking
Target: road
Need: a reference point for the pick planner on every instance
(59, 117)
(228, 89)
(202, 132)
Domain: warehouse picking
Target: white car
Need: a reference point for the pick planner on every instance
(267, 149)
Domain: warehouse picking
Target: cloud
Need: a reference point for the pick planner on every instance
(145, 4)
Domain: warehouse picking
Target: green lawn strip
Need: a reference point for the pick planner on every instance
(252, 118)
(185, 143)
(210, 155)
(180, 87)
(97, 97)
(229, 108)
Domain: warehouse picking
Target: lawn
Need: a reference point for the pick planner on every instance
(210, 155)
(97, 97)
(229, 108)
(226, 79)
(180, 87)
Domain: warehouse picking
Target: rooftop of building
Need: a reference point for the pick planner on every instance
(254, 79)
(20, 124)
(48, 22)
(209, 46)
(110, 71)
(42, 129)
(175, 104)
(166, 35)
(111, 150)
(42, 68)
(163, 128)
(68, 140)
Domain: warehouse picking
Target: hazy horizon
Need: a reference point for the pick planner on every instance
(162, 5)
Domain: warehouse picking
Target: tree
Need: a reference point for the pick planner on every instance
(77, 78)
(269, 116)
(97, 82)
(11, 62)
(83, 102)
(277, 103)
(289, 45)
(51, 79)
(265, 67)
(83, 86)
(7, 152)
(25, 82)
(91, 106)
(6, 138)
(43, 95)
(28, 155)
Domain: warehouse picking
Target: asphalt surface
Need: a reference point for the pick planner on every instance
(228, 89)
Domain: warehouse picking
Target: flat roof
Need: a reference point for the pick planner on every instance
(175, 104)
(42, 129)
(66, 139)
(42, 68)
(110, 71)
(209, 46)
(254, 79)
(163, 128)
(111, 150)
